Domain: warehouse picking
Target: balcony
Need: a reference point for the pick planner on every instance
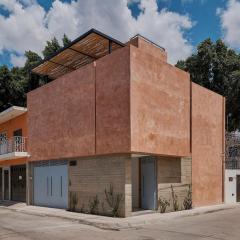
(13, 148)
(232, 163)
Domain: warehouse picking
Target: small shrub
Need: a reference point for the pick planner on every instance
(163, 204)
(93, 205)
(82, 209)
(174, 200)
(73, 201)
(187, 202)
(113, 200)
(103, 207)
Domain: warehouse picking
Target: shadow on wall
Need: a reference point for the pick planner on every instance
(110, 207)
(173, 203)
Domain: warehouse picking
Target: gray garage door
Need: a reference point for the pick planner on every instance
(51, 186)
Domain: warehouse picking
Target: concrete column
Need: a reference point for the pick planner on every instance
(128, 187)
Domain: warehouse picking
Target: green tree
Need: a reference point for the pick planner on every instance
(52, 47)
(217, 68)
(65, 40)
(14, 82)
(32, 59)
(5, 91)
(12, 87)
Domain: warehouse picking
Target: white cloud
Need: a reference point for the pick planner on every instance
(230, 23)
(17, 61)
(29, 25)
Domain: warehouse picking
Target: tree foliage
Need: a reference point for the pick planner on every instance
(214, 66)
(51, 47)
(217, 67)
(65, 40)
(15, 82)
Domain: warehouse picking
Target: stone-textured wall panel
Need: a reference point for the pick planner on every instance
(180, 186)
(92, 176)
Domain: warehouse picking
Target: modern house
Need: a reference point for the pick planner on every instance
(232, 168)
(119, 115)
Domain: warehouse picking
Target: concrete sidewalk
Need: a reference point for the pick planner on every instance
(113, 223)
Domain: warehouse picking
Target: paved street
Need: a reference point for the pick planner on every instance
(218, 225)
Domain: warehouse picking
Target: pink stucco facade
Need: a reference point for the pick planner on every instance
(208, 131)
(160, 105)
(131, 101)
(104, 108)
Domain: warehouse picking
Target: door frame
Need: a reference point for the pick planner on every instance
(9, 183)
(237, 188)
(155, 198)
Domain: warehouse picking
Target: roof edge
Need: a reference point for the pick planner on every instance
(11, 113)
(93, 30)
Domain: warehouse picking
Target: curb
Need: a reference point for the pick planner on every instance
(130, 222)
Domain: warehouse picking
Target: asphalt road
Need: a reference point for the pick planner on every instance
(218, 225)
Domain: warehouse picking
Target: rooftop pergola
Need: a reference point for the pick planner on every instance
(87, 48)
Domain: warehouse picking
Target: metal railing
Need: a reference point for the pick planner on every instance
(232, 163)
(14, 144)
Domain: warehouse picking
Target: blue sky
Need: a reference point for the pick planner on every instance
(202, 12)
(179, 27)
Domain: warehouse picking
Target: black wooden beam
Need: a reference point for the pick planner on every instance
(62, 65)
(85, 54)
(110, 46)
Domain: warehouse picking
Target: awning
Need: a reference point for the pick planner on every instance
(11, 113)
(85, 49)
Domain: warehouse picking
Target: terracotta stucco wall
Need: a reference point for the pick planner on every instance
(160, 106)
(61, 116)
(113, 103)
(149, 48)
(83, 113)
(207, 146)
(9, 127)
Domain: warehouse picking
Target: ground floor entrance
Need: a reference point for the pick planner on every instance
(6, 184)
(18, 183)
(232, 185)
(1, 184)
(51, 185)
(148, 183)
(144, 183)
(13, 183)
(238, 188)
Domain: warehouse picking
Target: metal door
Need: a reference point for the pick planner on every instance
(18, 183)
(148, 183)
(51, 186)
(238, 188)
(6, 184)
(1, 184)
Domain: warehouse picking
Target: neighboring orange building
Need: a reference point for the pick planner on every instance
(13, 154)
(118, 114)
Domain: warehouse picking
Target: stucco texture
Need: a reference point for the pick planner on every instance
(207, 146)
(82, 113)
(113, 103)
(61, 116)
(160, 106)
